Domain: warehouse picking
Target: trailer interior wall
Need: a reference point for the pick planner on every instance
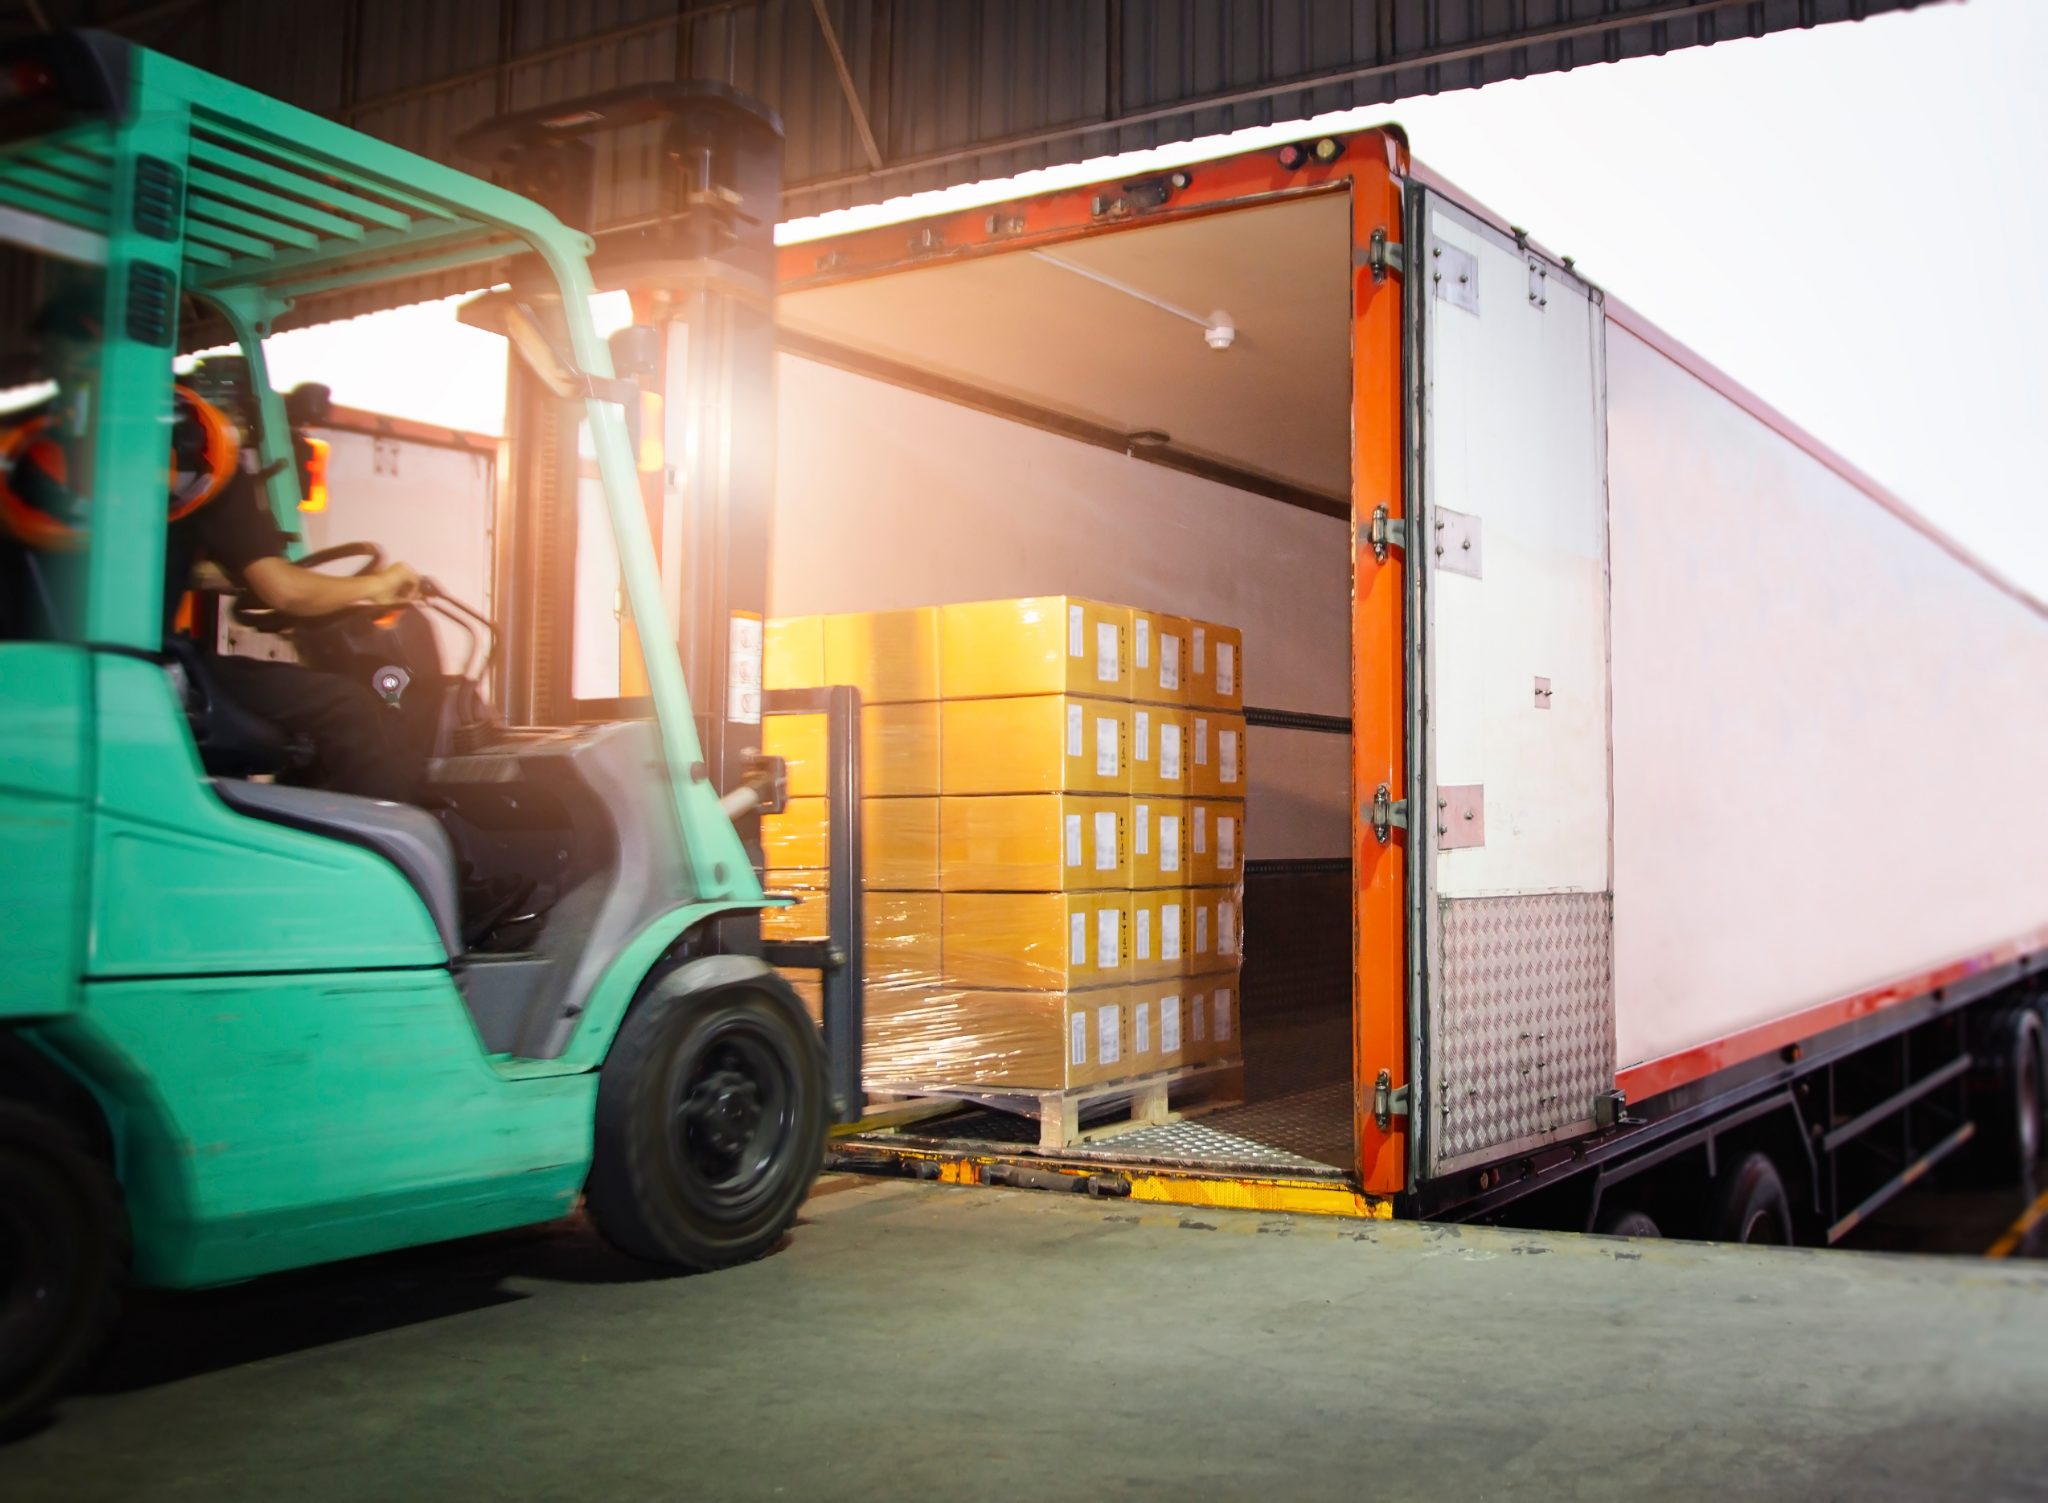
(1828, 730)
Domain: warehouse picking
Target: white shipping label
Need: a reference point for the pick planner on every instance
(743, 671)
(1105, 747)
(1105, 841)
(1169, 661)
(1220, 1001)
(1169, 931)
(1169, 1024)
(1073, 840)
(1144, 928)
(1226, 755)
(1169, 842)
(1077, 941)
(1077, 633)
(1080, 1044)
(1141, 735)
(1105, 651)
(1109, 1034)
(1226, 928)
(1226, 668)
(1076, 728)
(1109, 939)
(1201, 741)
(1201, 928)
(1201, 829)
(1169, 750)
(1141, 643)
(1141, 1028)
(1144, 829)
(1201, 649)
(1226, 844)
(1196, 1016)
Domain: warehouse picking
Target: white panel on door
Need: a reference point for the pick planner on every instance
(1518, 1038)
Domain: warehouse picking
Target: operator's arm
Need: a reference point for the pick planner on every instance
(284, 586)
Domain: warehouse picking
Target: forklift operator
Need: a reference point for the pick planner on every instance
(219, 515)
(357, 747)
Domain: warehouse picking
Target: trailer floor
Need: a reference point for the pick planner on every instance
(1294, 1118)
(917, 1342)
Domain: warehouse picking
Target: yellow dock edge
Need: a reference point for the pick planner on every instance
(1152, 1185)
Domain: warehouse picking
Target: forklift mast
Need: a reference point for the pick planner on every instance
(700, 270)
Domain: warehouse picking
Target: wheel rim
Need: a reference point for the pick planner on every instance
(732, 1117)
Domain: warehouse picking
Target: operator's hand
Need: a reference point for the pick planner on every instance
(393, 584)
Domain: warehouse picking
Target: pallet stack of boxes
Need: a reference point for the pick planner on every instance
(1053, 807)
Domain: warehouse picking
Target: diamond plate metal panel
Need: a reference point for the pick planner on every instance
(1521, 1021)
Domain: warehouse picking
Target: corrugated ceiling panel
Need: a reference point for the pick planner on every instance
(954, 90)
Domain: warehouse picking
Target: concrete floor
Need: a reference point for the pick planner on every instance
(914, 1342)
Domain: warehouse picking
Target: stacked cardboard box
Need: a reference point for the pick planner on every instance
(1053, 807)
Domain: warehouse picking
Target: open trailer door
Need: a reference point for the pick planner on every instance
(1512, 997)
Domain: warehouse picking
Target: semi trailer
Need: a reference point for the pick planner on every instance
(1645, 823)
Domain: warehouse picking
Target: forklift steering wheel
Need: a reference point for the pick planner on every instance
(250, 610)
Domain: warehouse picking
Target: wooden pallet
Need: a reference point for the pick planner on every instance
(1150, 1100)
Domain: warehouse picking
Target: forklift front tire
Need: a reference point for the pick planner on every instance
(63, 1261)
(711, 1114)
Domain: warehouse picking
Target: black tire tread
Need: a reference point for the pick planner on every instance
(38, 1136)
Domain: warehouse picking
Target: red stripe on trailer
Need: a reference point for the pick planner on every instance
(1655, 1077)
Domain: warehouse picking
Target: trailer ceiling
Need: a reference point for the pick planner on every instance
(886, 97)
(1097, 331)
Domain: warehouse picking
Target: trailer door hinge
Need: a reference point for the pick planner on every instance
(1384, 256)
(1386, 814)
(1388, 1101)
(1384, 532)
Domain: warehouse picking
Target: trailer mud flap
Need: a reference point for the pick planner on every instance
(1513, 1005)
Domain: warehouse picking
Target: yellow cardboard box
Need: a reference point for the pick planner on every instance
(899, 750)
(1216, 929)
(1043, 744)
(1158, 1025)
(1216, 666)
(793, 652)
(1034, 842)
(1030, 1040)
(1048, 941)
(1216, 754)
(1160, 933)
(899, 843)
(1212, 1017)
(903, 929)
(890, 656)
(1159, 842)
(1159, 750)
(1042, 644)
(1215, 842)
(1159, 658)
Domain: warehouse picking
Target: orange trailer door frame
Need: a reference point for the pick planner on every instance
(1372, 168)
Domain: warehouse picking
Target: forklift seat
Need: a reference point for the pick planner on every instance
(232, 742)
(410, 839)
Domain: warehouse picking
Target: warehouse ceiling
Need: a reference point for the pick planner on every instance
(886, 97)
(1079, 331)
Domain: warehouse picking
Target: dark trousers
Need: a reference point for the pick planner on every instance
(359, 742)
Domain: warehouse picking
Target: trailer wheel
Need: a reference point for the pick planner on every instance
(63, 1261)
(711, 1118)
(1622, 1221)
(1750, 1204)
(2015, 1120)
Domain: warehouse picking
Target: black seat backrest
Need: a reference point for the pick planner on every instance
(410, 839)
(233, 742)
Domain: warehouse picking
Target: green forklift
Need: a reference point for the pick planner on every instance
(249, 1023)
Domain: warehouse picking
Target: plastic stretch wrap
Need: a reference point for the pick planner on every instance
(1068, 910)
